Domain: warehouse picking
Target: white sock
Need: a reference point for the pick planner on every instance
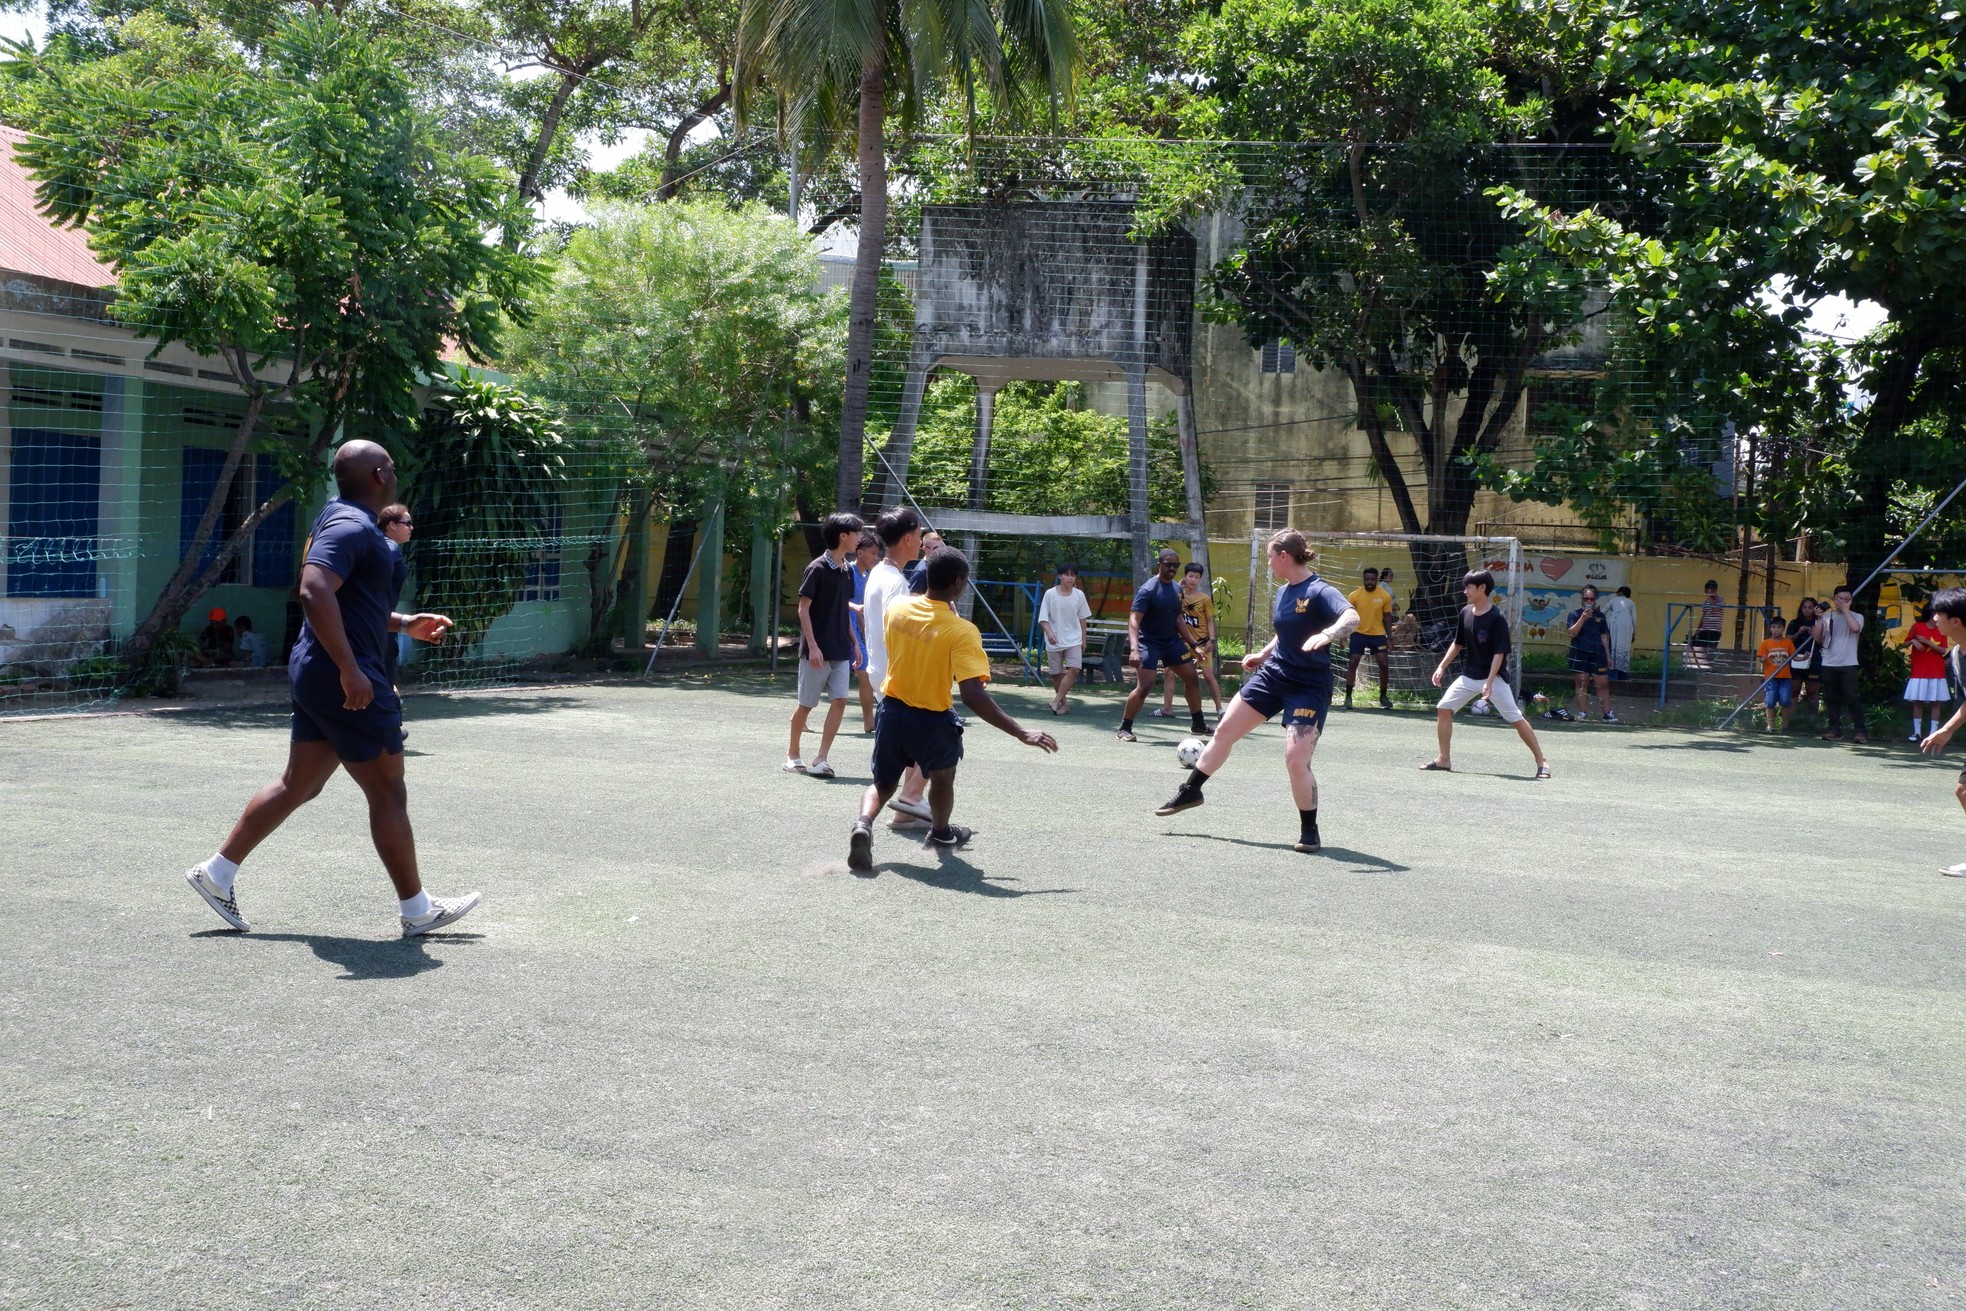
(222, 872)
(417, 907)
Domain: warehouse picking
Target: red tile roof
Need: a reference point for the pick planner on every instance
(31, 244)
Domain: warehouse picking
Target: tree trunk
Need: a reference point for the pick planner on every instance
(549, 128)
(863, 305)
(179, 592)
(673, 154)
(1892, 384)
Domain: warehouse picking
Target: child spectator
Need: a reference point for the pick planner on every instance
(1948, 612)
(1775, 653)
(1926, 688)
(1706, 636)
(250, 648)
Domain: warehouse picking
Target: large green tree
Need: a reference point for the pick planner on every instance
(1789, 153)
(287, 211)
(826, 63)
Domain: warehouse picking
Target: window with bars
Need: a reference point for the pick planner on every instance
(1279, 357)
(1272, 507)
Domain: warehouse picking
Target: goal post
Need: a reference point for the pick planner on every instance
(1427, 570)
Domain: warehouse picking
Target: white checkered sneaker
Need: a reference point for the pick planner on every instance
(443, 911)
(222, 902)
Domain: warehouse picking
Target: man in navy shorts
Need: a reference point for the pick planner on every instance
(346, 714)
(1153, 630)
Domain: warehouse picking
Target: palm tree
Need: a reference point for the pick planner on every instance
(825, 58)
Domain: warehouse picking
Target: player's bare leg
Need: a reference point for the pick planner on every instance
(1444, 730)
(1528, 736)
(1385, 677)
(1192, 684)
(866, 701)
(1351, 676)
(1299, 743)
(1238, 722)
(1143, 683)
(835, 712)
(309, 767)
(381, 781)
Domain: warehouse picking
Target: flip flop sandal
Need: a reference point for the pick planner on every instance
(1434, 766)
(1542, 772)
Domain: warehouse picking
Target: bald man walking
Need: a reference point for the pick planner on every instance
(346, 713)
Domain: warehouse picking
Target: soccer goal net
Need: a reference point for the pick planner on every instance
(1421, 576)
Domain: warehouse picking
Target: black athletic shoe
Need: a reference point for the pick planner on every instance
(860, 850)
(955, 836)
(1185, 798)
(1308, 843)
(1348, 698)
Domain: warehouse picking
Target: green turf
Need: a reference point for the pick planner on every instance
(1683, 1028)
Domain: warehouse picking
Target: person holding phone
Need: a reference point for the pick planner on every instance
(1590, 655)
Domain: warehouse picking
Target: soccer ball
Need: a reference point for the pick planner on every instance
(1189, 752)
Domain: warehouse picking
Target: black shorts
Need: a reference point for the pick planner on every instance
(356, 735)
(1588, 662)
(905, 735)
(1705, 637)
(1154, 653)
(1361, 642)
(1303, 702)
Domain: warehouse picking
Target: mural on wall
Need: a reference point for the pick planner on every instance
(1550, 585)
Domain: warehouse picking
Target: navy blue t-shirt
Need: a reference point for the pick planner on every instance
(1594, 638)
(1159, 606)
(1482, 638)
(348, 545)
(1302, 611)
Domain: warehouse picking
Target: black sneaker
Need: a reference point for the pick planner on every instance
(1348, 698)
(956, 836)
(860, 849)
(1308, 843)
(1185, 798)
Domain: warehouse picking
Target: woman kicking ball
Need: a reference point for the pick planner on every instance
(1291, 675)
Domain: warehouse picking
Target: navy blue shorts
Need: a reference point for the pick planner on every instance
(355, 735)
(905, 735)
(1589, 662)
(1361, 642)
(1302, 702)
(1173, 653)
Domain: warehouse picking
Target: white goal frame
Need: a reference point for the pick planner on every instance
(1489, 551)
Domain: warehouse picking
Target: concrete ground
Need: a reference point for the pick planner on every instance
(1683, 1028)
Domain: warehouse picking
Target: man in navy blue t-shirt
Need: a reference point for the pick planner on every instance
(1153, 630)
(346, 713)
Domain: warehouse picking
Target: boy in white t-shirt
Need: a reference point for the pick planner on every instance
(901, 540)
(1063, 614)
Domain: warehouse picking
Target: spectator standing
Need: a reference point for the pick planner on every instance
(1621, 615)
(1802, 632)
(1926, 688)
(1590, 655)
(1949, 617)
(826, 647)
(1392, 594)
(866, 554)
(918, 576)
(1706, 633)
(1063, 613)
(1776, 652)
(1837, 632)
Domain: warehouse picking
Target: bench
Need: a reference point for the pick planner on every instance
(1110, 663)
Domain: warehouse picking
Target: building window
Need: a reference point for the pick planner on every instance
(54, 495)
(267, 560)
(1279, 357)
(543, 574)
(1272, 507)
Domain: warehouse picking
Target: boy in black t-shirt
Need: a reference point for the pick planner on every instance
(1482, 642)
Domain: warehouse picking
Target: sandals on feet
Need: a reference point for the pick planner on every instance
(1435, 766)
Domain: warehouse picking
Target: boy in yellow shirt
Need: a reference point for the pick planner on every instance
(1373, 603)
(1775, 653)
(929, 646)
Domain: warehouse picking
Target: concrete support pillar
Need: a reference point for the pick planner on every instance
(1184, 411)
(636, 585)
(1136, 469)
(710, 580)
(979, 482)
(764, 515)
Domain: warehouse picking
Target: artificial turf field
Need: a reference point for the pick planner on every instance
(1683, 1028)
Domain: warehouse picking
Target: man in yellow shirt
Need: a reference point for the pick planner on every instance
(1373, 603)
(929, 646)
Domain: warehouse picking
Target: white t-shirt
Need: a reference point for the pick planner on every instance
(884, 584)
(1067, 616)
(1839, 643)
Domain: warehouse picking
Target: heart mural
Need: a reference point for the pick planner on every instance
(1556, 566)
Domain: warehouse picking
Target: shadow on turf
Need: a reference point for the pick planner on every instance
(361, 958)
(1368, 864)
(421, 706)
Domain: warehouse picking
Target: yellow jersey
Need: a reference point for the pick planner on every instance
(1372, 607)
(1197, 613)
(929, 647)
